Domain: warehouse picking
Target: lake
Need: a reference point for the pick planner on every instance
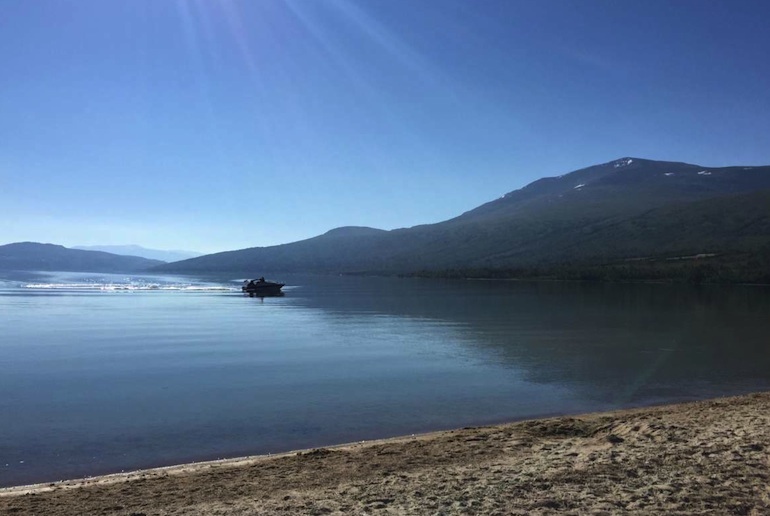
(103, 373)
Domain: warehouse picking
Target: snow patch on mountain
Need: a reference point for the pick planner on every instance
(622, 162)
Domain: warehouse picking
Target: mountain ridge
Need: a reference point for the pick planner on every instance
(603, 212)
(28, 256)
(142, 252)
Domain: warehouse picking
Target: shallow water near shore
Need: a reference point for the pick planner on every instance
(103, 373)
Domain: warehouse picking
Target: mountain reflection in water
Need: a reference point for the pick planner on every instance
(615, 343)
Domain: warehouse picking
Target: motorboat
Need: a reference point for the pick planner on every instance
(261, 288)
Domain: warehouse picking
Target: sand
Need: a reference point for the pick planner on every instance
(709, 457)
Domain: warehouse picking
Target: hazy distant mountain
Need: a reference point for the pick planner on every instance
(136, 250)
(32, 256)
(622, 210)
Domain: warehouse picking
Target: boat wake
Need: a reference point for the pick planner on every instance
(117, 287)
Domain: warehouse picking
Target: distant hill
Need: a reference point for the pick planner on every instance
(32, 256)
(623, 211)
(136, 250)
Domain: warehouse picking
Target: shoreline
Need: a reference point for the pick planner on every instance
(711, 455)
(194, 465)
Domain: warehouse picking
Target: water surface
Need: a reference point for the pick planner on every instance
(102, 373)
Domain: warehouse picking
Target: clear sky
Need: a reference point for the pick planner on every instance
(214, 125)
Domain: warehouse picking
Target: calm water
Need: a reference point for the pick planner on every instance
(106, 373)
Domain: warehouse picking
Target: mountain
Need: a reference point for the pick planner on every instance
(136, 250)
(621, 211)
(32, 256)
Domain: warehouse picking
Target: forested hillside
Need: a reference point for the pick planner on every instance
(639, 213)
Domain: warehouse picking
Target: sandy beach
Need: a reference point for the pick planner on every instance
(708, 457)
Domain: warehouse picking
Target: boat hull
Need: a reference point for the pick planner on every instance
(263, 289)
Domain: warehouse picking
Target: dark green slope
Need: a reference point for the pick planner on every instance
(734, 223)
(557, 220)
(622, 209)
(32, 256)
(337, 250)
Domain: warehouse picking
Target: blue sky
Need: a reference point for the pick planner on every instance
(217, 125)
